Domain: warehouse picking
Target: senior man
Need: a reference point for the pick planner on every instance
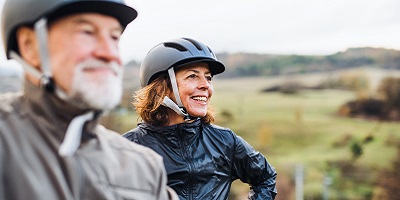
(51, 144)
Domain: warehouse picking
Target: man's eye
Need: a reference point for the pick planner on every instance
(209, 78)
(87, 31)
(115, 37)
(192, 76)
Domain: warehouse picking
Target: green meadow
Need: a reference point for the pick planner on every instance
(304, 129)
(301, 129)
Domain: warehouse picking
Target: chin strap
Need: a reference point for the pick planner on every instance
(178, 106)
(41, 34)
(45, 75)
(174, 85)
(46, 82)
(171, 104)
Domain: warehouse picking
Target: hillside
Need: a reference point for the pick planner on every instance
(253, 65)
(245, 64)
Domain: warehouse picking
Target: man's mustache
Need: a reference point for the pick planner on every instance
(98, 64)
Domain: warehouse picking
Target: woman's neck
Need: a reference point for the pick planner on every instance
(175, 118)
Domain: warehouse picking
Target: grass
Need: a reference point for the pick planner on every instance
(298, 129)
(301, 129)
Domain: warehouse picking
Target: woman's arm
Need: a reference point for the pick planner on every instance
(251, 167)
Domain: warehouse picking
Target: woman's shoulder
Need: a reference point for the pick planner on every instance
(134, 134)
(218, 128)
(219, 131)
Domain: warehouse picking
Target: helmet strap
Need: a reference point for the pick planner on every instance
(171, 104)
(41, 33)
(174, 85)
(178, 106)
(39, 75)
(46, 78)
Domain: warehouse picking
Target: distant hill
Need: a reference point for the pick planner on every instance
(247, 65)
(253, 65)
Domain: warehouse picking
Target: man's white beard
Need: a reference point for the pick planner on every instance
(103, 93)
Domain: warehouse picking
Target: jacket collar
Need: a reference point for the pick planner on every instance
(51, 110)
(176, 134)
(170, 129)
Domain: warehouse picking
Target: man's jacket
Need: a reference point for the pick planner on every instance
(202, 160)
(105, 167)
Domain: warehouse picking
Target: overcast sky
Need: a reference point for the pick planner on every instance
(304, 27)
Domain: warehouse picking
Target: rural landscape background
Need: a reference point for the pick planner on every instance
(332, 121)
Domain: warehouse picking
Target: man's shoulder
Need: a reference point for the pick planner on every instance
(9, 105)
(134, 134)
(6, 102)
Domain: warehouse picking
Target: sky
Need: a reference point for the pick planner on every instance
(306, 27)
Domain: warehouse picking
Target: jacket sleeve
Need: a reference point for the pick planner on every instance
(251, 167)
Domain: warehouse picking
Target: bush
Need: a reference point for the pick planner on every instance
(389, 89)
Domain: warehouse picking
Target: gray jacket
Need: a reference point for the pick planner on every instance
(106, 165)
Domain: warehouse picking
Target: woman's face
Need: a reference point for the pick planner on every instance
(195, 88)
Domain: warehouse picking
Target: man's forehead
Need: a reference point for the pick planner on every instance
(96, 19)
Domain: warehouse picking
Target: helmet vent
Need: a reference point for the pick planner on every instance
(210, 51)
(196, 44)
(175, 46)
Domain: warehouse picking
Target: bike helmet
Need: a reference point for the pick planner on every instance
(27, 12)
(170, 55)
(174, 54)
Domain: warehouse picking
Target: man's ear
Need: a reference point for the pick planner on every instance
(28, 46)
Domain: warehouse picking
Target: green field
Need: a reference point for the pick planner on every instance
(304, 129)
(301, 129)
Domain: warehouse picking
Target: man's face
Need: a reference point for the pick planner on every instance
(85, 59)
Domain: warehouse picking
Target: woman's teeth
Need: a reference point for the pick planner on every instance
(200, 98)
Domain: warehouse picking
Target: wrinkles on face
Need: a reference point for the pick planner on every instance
(195, 88)
(77, 38)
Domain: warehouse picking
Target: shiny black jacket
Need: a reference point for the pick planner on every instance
(203, 160)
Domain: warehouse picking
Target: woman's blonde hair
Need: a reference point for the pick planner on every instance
(148, 102)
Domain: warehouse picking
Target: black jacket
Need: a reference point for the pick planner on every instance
(203, 160)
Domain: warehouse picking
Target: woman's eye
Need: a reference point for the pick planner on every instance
(209, 78)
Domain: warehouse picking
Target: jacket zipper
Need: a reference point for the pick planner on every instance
(190, 164)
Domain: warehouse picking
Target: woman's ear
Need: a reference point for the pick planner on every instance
(28, 46)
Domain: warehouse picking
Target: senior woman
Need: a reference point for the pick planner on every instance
(201, 159)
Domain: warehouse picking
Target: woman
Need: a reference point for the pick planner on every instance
(202, 160)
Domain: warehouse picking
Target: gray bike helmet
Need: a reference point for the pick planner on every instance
(170, 55)
(174, 54)
(27, 12)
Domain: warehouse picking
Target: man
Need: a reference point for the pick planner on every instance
(51, 145)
